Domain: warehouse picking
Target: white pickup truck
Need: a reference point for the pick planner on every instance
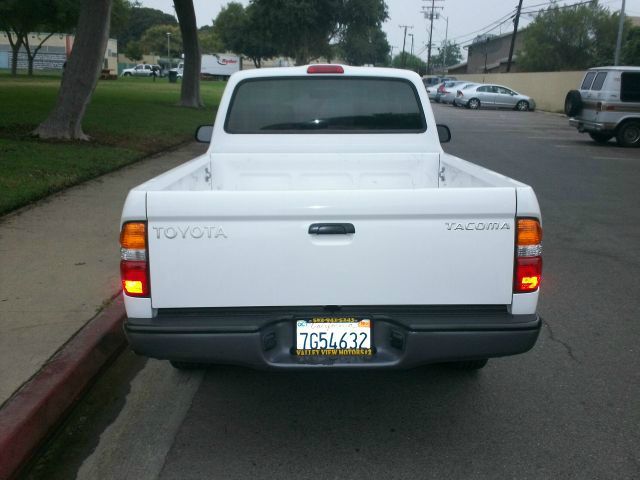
(325, 227)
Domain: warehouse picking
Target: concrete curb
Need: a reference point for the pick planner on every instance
(28, 417)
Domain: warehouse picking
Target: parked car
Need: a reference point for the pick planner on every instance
(159, 70)
(179, 70)
(142, 70)
(442, 90)
(494, 96)
(435, 80)
(291, 245)
(607, 105)
(432, 90)
(448, 92)
(451, 95)
(464, 86)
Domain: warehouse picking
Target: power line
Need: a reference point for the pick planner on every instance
(497, 23)
(559, 7)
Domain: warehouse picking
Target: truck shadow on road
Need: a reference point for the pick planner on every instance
(273, 424)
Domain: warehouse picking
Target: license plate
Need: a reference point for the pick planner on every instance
(333, 336)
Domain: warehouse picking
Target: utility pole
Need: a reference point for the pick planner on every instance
(411, 35)
(169, 48)
(391, 49)
(616, 60)
(446, 46)
(404, 43)
(513, 37)
(430, 13)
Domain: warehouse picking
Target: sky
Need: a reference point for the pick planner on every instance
(466, 18)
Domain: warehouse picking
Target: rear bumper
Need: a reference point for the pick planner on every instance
(586, 126)
(402, 337)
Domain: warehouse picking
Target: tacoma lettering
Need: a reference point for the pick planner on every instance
(477, 226)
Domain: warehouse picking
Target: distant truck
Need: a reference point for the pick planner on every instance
(217, 64)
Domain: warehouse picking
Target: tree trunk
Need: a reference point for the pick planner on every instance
(14, 59)
(190, 89)
(15, 48)
(31, 55)
(81, 73)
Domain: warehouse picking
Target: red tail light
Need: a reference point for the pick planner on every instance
(528, 274)
(134, 266)
(528, 263)
(325, 69)
(135, 278)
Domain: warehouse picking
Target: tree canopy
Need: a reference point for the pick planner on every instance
(154, 40)
(631, 48)
(574, 38)
(449, 54)
(410, 62)
(362, 40)
(137, 21)
(209, 39)
(305, 30)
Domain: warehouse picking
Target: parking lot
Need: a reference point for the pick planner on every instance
(570, 408)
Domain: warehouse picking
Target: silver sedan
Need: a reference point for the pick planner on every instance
(448, 93)
(494, 96)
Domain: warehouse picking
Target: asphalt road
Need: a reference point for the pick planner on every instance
(570, 408)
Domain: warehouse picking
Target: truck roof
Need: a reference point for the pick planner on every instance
(348, 71)
(618, 68)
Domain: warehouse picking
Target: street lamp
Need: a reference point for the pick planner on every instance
(169, 48)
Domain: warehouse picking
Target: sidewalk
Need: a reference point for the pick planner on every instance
(60, 264)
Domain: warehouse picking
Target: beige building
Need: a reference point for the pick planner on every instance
(54, 52)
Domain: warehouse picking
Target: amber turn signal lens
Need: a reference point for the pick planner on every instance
(529, 232)
(133, 235)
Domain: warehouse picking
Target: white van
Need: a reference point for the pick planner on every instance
(607, 105)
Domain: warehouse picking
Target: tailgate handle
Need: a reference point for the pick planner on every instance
(331, 228)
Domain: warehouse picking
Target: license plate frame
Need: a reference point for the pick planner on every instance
(338, 326)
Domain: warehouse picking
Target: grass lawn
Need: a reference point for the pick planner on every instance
(127, 119)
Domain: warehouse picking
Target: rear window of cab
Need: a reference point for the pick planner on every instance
(325, 105)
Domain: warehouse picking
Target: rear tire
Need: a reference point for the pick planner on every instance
(474, 104)
(180, 365)
(572, 103)
(470, 364)
(628, 134)
(601, 138)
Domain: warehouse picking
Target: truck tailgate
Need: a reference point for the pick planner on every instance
(410, 247)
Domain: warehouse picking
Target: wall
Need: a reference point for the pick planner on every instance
(54, 51)
(548, 89)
